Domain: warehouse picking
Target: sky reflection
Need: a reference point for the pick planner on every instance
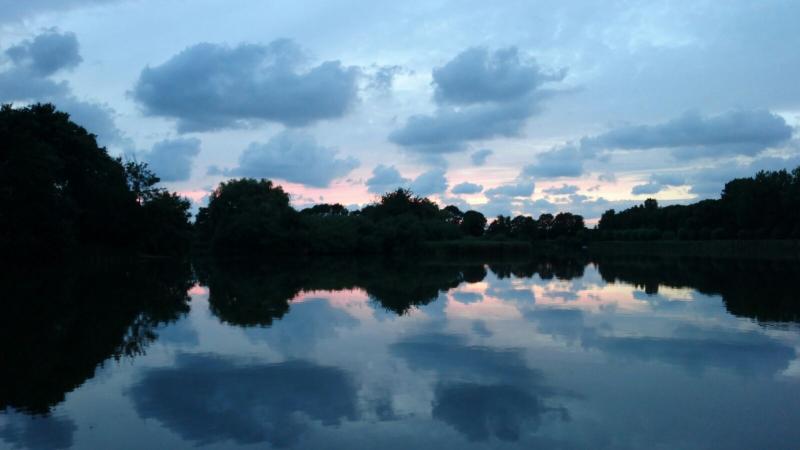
(516, 357)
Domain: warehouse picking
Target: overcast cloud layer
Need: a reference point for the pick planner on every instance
(505, 108)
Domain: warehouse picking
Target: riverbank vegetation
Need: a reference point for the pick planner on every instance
(60, 192)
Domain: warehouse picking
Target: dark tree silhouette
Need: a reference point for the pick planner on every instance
(473, 223)
(61, 191)
(766, 206)
(249, 216)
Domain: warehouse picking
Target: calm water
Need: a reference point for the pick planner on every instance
(617, 353)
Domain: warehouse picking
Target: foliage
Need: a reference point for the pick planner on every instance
(766, 206)
(248, 216)
(60, 190)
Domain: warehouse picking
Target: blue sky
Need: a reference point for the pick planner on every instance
(515, 107)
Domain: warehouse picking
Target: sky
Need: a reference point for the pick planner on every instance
(515, 107)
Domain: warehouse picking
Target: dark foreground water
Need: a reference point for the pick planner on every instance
(553, 353)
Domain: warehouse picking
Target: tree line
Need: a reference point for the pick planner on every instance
(60, 192)
(765, 206)
(249, 216)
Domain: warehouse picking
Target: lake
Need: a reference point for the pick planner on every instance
(564, 353)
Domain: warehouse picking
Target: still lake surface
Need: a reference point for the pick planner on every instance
(618, 353)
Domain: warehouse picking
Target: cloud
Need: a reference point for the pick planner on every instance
(647, 188)
(696, 349)
(520, 188)
(483, 411)
(739, 132)
(707, 182)
(294, 156)
(496, 394)
(564, 189)
(22, 84)
(27, 79)
(687, 137)
(33, 61)
(566, 161)
(262, 402)
(449, 129)
(172, 159)
(36, 432)
(209, 86)
(466, 188)
(480, 95)
(383, 77)
(479, 157)
(311, 322)
(385, 179)
(451, 358)
(477, 75)
(428, 183)
(47, 53)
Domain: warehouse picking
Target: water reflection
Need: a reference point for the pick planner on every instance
(485, 391)
(60, 323)
(571, 352)
(206, 398)
(36, 432)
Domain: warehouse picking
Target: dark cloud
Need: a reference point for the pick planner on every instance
(172, 159)
(294, 156)
(479, 157)
(483, 411)
(33, 61)
(27, 79)
(385, 179)
(97, 118)
(659, 182)
(696, 349)
(430, 182)
(520, 188)
(206, 399)
(452, 358)
(450, 129)
(564, 189)
(740, 132)
(477, 75)
(566, 161)
(22, 84)
(209, 86)
(481, 95)
(47, 53)
(690, 136)
(36, 432)
(466, 188)
(496, 394)
(647, 188)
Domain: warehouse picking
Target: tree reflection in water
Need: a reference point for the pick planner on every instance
(60, 323)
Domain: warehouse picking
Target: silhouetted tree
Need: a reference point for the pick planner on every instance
(500, 227)
(60, 190)
(473, 223)
(248, 216)
(766, 206)
(326, 209)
